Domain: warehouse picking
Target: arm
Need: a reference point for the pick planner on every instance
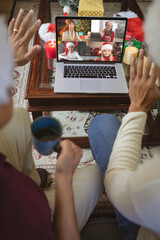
(19, 37)
(63, 36)
(65, 222)
(112, 37)
(62, 55)
(101, 33)
(125, 175)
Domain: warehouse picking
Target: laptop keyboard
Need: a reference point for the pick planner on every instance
(90, 72)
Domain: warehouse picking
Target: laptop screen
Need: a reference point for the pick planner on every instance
(90, 39)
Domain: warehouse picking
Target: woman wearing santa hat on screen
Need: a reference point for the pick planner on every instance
(70, 53)
(69, 32)
(107, 34)
(106, 53)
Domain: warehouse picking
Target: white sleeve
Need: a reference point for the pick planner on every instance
(63, 36)
(131, 185)
(124, 160)
(78, 56)
(62, 55)
(78, 38)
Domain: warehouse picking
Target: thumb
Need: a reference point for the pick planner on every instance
(33, 52)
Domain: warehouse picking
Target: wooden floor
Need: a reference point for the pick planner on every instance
(6, 7)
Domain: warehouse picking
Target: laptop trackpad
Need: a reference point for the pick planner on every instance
(90, 85)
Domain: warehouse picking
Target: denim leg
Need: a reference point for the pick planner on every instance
(102, 134)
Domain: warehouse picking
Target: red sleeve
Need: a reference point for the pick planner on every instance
(112, 37)
(25, 213)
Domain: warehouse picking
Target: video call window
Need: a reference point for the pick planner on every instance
(90, 40)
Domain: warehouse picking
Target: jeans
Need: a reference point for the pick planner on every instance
(102, 134)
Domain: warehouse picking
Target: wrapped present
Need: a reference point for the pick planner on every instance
(91, 8)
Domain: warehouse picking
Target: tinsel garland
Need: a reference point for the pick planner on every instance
(72, 3)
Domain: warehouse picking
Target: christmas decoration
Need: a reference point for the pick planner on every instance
(83, 26)
(71, 3)
(91, 8)
(47, 32)
(135, 25)
(66, 10)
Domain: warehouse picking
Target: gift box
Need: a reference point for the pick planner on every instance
(91, 8)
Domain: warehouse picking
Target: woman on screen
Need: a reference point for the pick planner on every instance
(69, 32)
(107, 34)
(70, 53)
(106, 53)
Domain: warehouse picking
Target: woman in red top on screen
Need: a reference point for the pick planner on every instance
(106, 53)
(107, 34)
(69, 32)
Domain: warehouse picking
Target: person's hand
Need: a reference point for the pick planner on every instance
(102, 33)
(68, 158)
(19, 37)
(143, 91)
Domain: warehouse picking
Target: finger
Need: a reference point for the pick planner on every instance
(147, 68)
(32, 52)
(75, 147)
(132, 69)
(25, 23)
(18, 20)
(11, 27)
(69, 147)
(140, 64)
(29, 34)
(65, 144)
(153, 77)
(77, 150)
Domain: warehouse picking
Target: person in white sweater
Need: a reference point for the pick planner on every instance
(69, 32)
(133, 188)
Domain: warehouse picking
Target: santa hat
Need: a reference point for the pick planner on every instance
(106, 46)
(66, 10)
(152, 33)
(109, 22)
(69, 44)
(6, 63)
(47, 32)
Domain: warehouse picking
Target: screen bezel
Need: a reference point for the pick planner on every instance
(90, 18)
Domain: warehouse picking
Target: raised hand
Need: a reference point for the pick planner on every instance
(102, 33)
(143, 91)
(20, 36)
(68, 158)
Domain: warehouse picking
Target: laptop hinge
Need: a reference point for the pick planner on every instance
(97, 62)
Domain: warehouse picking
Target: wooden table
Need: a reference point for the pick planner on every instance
(41, 96)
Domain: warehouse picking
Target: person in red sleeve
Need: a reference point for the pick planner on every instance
(106, 53)
(107, 34)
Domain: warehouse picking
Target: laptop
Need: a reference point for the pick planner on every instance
(89, 55)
